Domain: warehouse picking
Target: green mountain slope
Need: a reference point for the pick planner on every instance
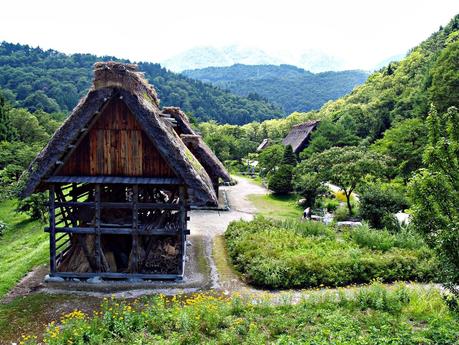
(34, 78)
(290, 87)
(405, 89)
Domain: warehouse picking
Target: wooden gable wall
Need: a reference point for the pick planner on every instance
(116, 146)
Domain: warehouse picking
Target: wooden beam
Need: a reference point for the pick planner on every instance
(182, 227)
(114, 231)
(135, 229)
(149, 205)
(97, 242)
(52, 231)
(113, 275)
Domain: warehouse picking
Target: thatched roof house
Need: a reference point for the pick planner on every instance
(121, 175)
(264, 144)
(124, 85)
(298, 136)
(198, 147)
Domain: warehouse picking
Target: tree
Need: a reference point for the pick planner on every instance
(270, 158)
(379, 202)
(308, 185)
(327, 135)
(434, 192)
(405, 142)
(346, 167)
(4, 122)
(289, 157)
(280, 181)
(445, 78)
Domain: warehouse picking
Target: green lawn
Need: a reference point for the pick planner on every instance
(23, 246)
(277, 206)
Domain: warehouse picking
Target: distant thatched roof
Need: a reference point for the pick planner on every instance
(264, 144)
(194, 142)
(111, 80)
(299, 135)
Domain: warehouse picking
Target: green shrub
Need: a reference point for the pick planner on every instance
(378, 204)
(288, 255)
(383, 240)
(341, 213)
(280, 181)
(35, 206)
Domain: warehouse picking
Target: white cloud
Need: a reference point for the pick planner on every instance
(362, 32)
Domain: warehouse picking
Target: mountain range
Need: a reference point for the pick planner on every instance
(289, 87)
(34, 78)
(312, 60)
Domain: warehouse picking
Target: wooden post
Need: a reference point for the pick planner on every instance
(97, 248)
(135, 229)
(182, 225)
(52, 231)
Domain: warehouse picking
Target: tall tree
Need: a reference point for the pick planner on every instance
(289, 157)
(435, 193)
(4, 123)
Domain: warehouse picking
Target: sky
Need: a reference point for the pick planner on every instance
(364, 32)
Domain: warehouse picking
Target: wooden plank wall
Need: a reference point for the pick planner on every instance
(116, 146)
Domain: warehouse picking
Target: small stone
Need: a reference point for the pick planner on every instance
(76, 280)
(50, 279)
(95, 280)
(188, 243)
(135, 280)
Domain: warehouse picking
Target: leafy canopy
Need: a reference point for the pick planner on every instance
(346, 167)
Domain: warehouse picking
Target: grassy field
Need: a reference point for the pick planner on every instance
(373, 315)
(23, 246)
(277, 206)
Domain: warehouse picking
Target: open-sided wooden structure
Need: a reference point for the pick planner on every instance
(121, 180)
(298, 137)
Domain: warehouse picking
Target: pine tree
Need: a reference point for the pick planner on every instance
(4, 127)
(289, 157)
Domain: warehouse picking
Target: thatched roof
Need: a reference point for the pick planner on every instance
(264, 144)
(299, 135)
(194, 142)
(123, 81)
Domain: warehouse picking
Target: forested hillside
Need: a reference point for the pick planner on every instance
(290, 87)
(395, 98)
(52, 81)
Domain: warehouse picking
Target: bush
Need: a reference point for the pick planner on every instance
(35, 206)
(280, 181)
(308, 186)
(384, 240)
(291, 255)
(2, 228)
(378, 204)
(341, 213)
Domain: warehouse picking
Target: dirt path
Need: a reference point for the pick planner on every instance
(210, 224)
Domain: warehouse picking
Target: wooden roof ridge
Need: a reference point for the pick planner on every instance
(201, 150)
(123, 81)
